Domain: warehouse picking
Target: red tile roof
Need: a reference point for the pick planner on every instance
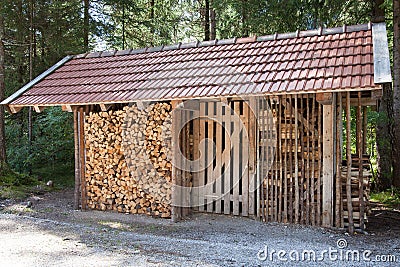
(309, 61)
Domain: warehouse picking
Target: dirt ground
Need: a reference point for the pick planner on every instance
(45, 231)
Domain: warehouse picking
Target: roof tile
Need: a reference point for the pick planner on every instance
(225, 67)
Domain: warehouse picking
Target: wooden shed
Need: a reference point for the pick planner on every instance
(245, 126)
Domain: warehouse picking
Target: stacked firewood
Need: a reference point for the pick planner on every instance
(128, 167)
(355, 190)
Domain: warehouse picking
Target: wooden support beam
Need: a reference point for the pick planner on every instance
(328, 164)
(13, 109)
(38, 109)
(365, 101)
(67, 108)
(77, 172)
(105, 107)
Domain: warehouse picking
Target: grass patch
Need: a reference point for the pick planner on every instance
(389, 198)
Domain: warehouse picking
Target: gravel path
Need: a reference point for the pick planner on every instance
(50, 233)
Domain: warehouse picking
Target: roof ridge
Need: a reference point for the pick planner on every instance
(241, 40)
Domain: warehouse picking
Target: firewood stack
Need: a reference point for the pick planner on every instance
(355, 198)
(128, 167)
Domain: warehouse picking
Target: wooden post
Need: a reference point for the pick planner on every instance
(360, 141)
(348, 152)
(82, 160)
(176, 209)
(77, 172)
(252, 154)
(328, 164)
(338, 145)
(365, 125)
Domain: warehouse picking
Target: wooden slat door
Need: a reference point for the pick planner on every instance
(223, 181)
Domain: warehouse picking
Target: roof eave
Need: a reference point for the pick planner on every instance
(35, 81)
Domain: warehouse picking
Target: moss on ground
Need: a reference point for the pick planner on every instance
(14, 185)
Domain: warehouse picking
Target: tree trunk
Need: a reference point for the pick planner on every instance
(213, 33)
(86, 24)
(2, 89)
(152, 22)
(30, 116)
(378, 13)
(396, 93)
(245, 29)
(207, 21)
(383, 141)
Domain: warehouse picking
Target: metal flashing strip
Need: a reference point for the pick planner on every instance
(35, 81)
(382, 72)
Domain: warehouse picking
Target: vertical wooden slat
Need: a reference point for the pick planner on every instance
(260, 200)
(365, 124)
(218, 157)
(275, 179)
(338, 213)
(281, 161)
(303, 167)
(360, 163)
(187, 180)
(210, 157)
(291, 153)
(307, 172)
(202, 146)
(263, 158)
(252, 155)
(268, 173)
(227, 160)
(77, 171)
(348, 153)
(313, 161)
(296, 160)
(196, 159)
(236, 158)
(285, 170)
(319, 176)
(82, 164)
(182, 141)
(245, 159)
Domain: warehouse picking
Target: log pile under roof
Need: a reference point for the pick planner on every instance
(127, 162)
